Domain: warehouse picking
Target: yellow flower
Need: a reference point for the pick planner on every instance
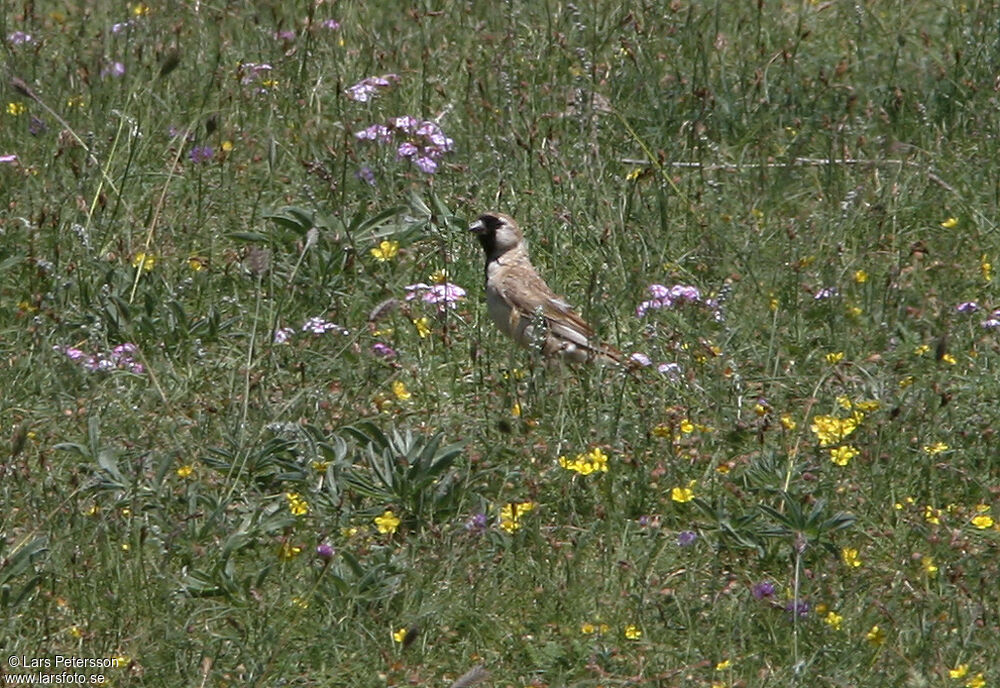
(773, 304)
(387, 523)
(986, 269)
(185, 471)
(932, 515)
(661, 430)
(982, 521)
(385, 251)
(850, 557)
(196, 264)
(950, 223)
(831, 430)
(976, 681)
(723, 665)
(399, 635)
(930, 568)
(683, 494)
(867, 406)
(144, 261)
(140, 9)
(76, 632)
(835, 357)
(936, 448)
(439, 276)
(841, 455)
(288, 551)
(515, 410)
(787, 422)
(399, 389)
(958, 672)
(74, 101)
(844, 402)
(921, 350)
(227, 146)
(423, 327)
(687, 427)
(593, 461)
(296, 504)
(300, 602)
(633, 632)
(876, 636)
(949, 359)
(633, 174)
(320, 466)
(510, 515)
(588, 628)
(860, 276)
(15, 109)
(834, 620)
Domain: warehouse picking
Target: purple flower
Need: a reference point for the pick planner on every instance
(668, 297)
(425, 164)
(120, 26)
(670, 369)
(383, 350)
(366, 175)
(251, 71)
(993, 322)
(201, 154)
(8, 159)
(797, 607)
(114, 69)
(762, 590)
(36, 126)
(477, 524)
(286, 35)
(967, 307)
(283, 334)
(331, 24)
(368, 88)
(826, 293)
(405, 123)
(319, 325)
(19, 38)
(686, 538)
(406, 150)
(324, 551)
(376, 132)
(444, 295)
(641, 358)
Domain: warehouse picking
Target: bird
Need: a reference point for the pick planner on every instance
(523, 306)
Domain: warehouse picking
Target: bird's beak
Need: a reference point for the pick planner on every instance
(477, 227)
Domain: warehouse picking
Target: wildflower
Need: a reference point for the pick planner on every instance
(385, 251)
(588, 628)
(369, 87)
(787, 422)
(510, 515)
(967, 307)
(387, 523)
(949, 359)
(423, 327)
(682, 495)
(300, 602)
(320, 325)
(641, 359)
(850, 557)
(860, 276)
(477, 523)
(366, 175)
(668, 297)
(8, 159)
(875, 636)
(797, 608)
(324, 551)
(723, 665)
(19, 38)
(841, 455)
(976, 681)
(406, 150)
(251, 71)
(400, 391)
(930, 568)
(959, 672)
(686, 538)
(444, 295)
(185, 471)
(330, 24)
(986, 268)
(868, 405)
(834, 620)
(399, 635)
(288, 551)
(762, 590)
(672, 370)
(982, 521)
(831, 430)
(15, 109)
(114, 69)
(425, 164)
(283, 334)
(590, 462)
(935, 449)
(227, 146)
(633, 632)
(826, 293)
(383, 350)
(144, 261)
(201, 154)
(834, 358)
(515, 410)
(932, 515)
(285, 35)
(196, 264)
(950, 223)
(296, 504)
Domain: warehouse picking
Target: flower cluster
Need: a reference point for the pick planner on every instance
(316, 325)
(443, 295)
(831, 429)
(991, 323)
(669, 297)
(594, 461)
(510, 515)
(120, 358)
(369, 87)
(297, 504)
(422, 141)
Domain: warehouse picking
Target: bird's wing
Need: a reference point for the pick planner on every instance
(528, 294)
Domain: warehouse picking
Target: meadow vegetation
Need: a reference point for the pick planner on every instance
(260, 431)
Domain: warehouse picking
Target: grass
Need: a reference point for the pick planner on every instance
(807, 496)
